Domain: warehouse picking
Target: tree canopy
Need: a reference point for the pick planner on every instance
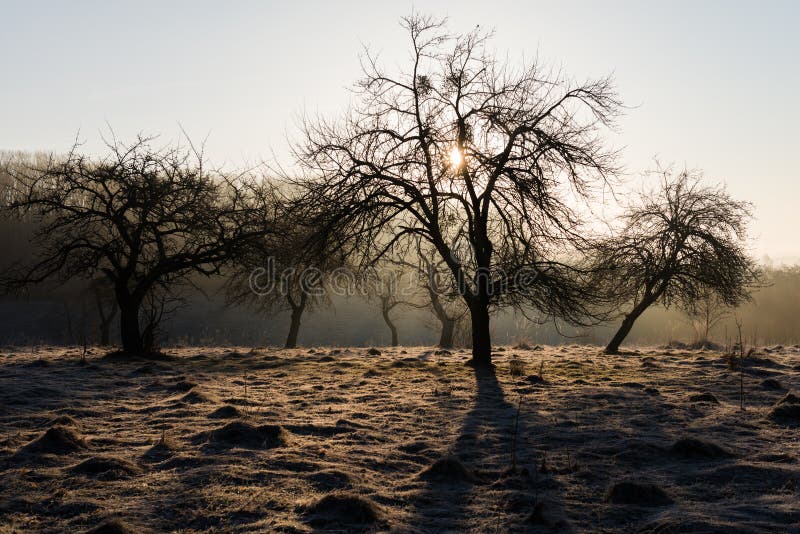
(482, 159)
(677, 245)
(143, 216)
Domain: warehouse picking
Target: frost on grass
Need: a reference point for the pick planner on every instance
(398, 439)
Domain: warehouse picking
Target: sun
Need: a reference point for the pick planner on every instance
(456, 158)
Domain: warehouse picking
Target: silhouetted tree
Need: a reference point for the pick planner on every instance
(161, 301)
(436, 291)
(704, 314)
(272, 274)
(461, 143)
(439, 300)
(143, 217)
(388, 286)
(678, 245)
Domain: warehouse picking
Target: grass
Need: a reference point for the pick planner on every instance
(274, 438)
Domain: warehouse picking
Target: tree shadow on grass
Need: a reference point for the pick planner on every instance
(491, 493)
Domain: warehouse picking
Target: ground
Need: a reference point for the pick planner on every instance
(407, 440)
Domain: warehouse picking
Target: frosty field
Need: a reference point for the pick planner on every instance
(407, 440)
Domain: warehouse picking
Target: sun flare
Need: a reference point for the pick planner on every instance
(456, 158)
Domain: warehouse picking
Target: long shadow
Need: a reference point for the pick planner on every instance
(449, 503)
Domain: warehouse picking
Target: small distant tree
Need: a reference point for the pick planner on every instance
(441, 298)
(160, 302)
(272, 275)
(678, 244)
(435, 290)
(388, 287)
(143, 217)
(461, 142)
(706, 313)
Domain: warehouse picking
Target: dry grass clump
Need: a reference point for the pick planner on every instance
(448, 469)
(696, 448)
(343, 509)
(704, 397)
(329, 480)
(640, 494)
(772, 384)
(113, 526)
(63, 420)
(184, 385)
(244, 435)
(516, 367)
(165, 448)
(106, 468)
(787, 410)
(226, 412)
(705, 344)
(194, 396)
(56, 440)
(547, 513)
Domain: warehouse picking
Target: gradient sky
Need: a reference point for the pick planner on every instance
(710, 84)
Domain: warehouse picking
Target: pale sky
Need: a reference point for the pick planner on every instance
(711, 84)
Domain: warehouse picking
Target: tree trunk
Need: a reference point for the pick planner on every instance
(448, 324)
(481, 336)
(448, 329)
(391, 326)
(294, 329)
(129, 327)
(294, 325)
(625, 327)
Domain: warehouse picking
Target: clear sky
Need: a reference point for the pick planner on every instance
(712, 84)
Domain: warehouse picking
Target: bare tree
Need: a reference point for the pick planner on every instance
(704, 314)
(272, 277)
(160, 301)
(462, 143)
(388, 286)
(439, 299)
(678, 244)
(437, 292)
(141, 216)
